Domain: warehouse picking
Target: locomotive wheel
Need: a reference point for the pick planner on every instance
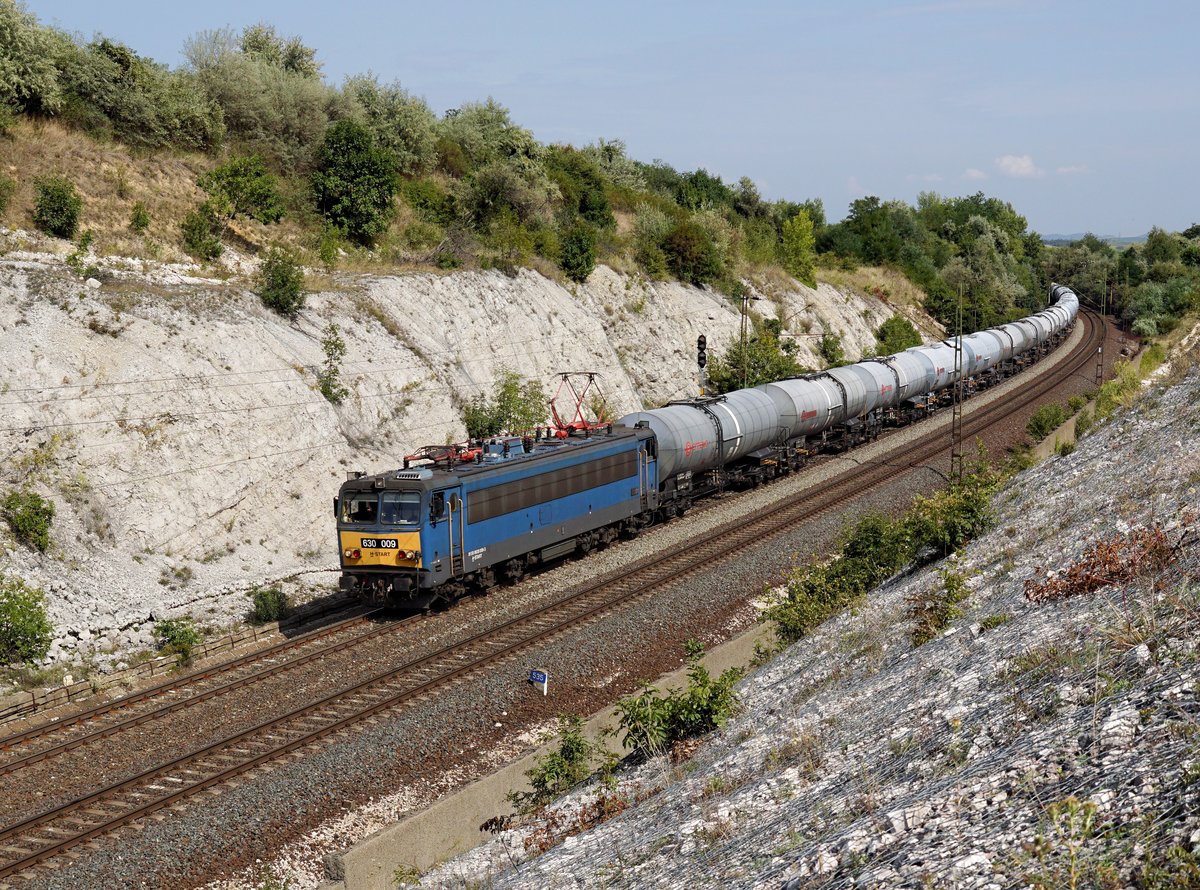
(514, 570)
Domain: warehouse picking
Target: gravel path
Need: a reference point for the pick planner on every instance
(398, 764)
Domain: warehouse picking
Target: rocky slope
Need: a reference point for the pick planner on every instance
(177, 426)
(1037, 742)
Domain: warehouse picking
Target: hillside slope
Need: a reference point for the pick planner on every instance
(1045, 743)
(177, 425)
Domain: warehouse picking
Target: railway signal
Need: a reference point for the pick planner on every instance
(702, 350)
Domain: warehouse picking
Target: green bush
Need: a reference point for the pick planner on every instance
(896, 335)
(877, 547)
(29, 515)
(652, 722)
(1044, 421)
(177, 636)
(431, 202)
(1083, 423)
(1075, 403)
(139, 218)
(280, 282)
(269, 604)
(354, 182)
(577, 251)
(25, 631)
(931, 612)
(831, 350)
(57, 207)
(558, 771)
(8, 187)
(690, 253)
(246, 187)
(201, 230)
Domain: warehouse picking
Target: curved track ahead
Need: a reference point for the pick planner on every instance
(50, 833)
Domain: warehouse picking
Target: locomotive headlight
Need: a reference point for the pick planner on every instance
(352, 554)
(410, 554)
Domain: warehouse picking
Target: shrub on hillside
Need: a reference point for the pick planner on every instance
(577, 251)
(139, 218)
(268, 604)
(280, 282)
(25, 631)
(246, 186)
(1044, 421)
(896, 335)
(652, 722)
(354, 182)
(177, 636)
(690, 253)
(559, 770)
(57, 207)
(201, 230)
(28, 75)
(29, 515)
(8, 187)
(111, 91)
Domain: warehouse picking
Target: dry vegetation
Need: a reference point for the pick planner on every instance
(111, 178)
(889, 285)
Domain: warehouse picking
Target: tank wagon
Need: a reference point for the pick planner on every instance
(456, 518)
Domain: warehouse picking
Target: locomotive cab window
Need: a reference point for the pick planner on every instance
(400, 508)
(437, 506)
(361, 507)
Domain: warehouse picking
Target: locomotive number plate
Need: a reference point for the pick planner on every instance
(379, 544)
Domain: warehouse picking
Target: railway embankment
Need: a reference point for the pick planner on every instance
(178, 427)
(1045, 737)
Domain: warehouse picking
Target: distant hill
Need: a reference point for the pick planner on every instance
(1064, 240)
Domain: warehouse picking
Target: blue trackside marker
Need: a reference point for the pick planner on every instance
(540, 678)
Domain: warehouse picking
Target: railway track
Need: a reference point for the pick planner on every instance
(48, 834)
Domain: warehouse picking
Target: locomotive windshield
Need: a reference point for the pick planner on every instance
(400, 508)
(388, 508)
(361, 507)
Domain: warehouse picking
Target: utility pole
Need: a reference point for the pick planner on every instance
(742, 336)
(1103, 321)
(956, 416)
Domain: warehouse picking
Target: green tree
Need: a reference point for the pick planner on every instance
(799, 249)
(761, 359)
(246, 187)
(58, 205)
(262, 42)
(25, 631)
(515, 406)
(400, 122)
(577, 251)
(896, 335)
(354, 182)
(281, 282)
(329, 380)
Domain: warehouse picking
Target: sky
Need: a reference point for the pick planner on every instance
(1084, 115)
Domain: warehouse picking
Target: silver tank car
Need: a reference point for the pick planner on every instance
(703, 434)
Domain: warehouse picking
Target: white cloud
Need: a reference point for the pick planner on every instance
(923, 177)
(1018, 166)
(973, 173)
(1071, 170)
(853, 187)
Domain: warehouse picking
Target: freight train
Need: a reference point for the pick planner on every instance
(458, 518)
